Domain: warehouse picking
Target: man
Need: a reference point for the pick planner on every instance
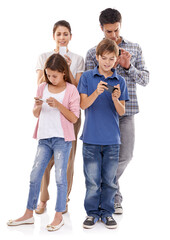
(131, 66)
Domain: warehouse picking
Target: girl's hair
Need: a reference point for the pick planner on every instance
(57, 63)
(107, 45)
(110, 16)
(62, 23)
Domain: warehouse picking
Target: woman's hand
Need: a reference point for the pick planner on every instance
(68, 60)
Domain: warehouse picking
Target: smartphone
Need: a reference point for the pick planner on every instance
(110, 88)
(63, 51)
(119, 51)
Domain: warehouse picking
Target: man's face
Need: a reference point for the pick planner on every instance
(112, 31)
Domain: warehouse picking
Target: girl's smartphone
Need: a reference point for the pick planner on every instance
(62, 51)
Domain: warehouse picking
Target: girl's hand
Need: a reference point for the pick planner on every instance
(52, 102)
(101, 87)
(68, 60)
(38, 102)
(116, 94)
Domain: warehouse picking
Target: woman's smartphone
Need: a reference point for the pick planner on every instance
(62, 51)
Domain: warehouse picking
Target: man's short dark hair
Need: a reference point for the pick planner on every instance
(110, 16)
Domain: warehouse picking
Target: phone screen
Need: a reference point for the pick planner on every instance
(62, 51)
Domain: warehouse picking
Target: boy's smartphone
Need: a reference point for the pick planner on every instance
(110, 88)
(63, 51)
(119, 51)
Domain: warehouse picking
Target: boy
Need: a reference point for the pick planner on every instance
(101, 135)
(131, 66)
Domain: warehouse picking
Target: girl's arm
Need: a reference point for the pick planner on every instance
(86, 101)
(37, 107)
(52, 102)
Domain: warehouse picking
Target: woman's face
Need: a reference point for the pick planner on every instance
(62, 36)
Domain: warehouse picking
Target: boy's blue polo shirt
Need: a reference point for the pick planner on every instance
(101, 126)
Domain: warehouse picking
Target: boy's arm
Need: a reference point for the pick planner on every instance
(119, 104)
(86, 101)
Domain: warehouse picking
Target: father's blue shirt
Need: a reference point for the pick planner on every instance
(101, 126)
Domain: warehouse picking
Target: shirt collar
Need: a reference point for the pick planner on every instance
(123, 41)
(96, 72)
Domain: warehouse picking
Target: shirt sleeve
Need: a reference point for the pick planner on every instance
(40, 63)
(82, 85)
(124, 92)
(138, 72)
(74, 102)
(90, 61)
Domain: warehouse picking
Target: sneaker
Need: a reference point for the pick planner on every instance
(89, 222)
(109, 222)
(118, 208)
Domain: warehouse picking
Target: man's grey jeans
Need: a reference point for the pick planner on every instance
(127, 133)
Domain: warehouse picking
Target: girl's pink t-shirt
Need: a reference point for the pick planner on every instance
(72, 102)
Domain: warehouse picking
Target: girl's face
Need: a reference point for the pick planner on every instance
(55, 77)
(62, 36)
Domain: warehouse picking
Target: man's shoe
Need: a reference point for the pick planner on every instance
(109, 222)
(89, 222)
(118, 208)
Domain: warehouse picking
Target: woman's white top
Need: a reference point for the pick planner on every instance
(77, 62)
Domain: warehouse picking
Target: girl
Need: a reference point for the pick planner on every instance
(57, 109)
(62, 36)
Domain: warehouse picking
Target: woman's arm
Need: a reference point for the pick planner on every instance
(40, 76)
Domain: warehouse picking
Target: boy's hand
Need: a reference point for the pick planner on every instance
(52, 102)
(116, 94)
(101, 87)
(38, 102)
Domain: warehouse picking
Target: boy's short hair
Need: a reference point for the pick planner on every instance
(107, 45)
(62, 23)
(110, 16)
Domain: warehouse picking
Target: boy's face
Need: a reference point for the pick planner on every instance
(106, 61)
(112, 31)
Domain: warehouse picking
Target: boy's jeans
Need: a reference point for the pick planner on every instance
(100, 167)
(46, 148)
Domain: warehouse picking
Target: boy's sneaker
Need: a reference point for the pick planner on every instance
(89, 222)
(109, 222)
(118, 208)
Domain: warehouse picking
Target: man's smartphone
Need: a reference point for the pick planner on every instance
(62, 50)
(110, 88)
(119, 51)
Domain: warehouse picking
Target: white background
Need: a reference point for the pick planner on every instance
(26, 32)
